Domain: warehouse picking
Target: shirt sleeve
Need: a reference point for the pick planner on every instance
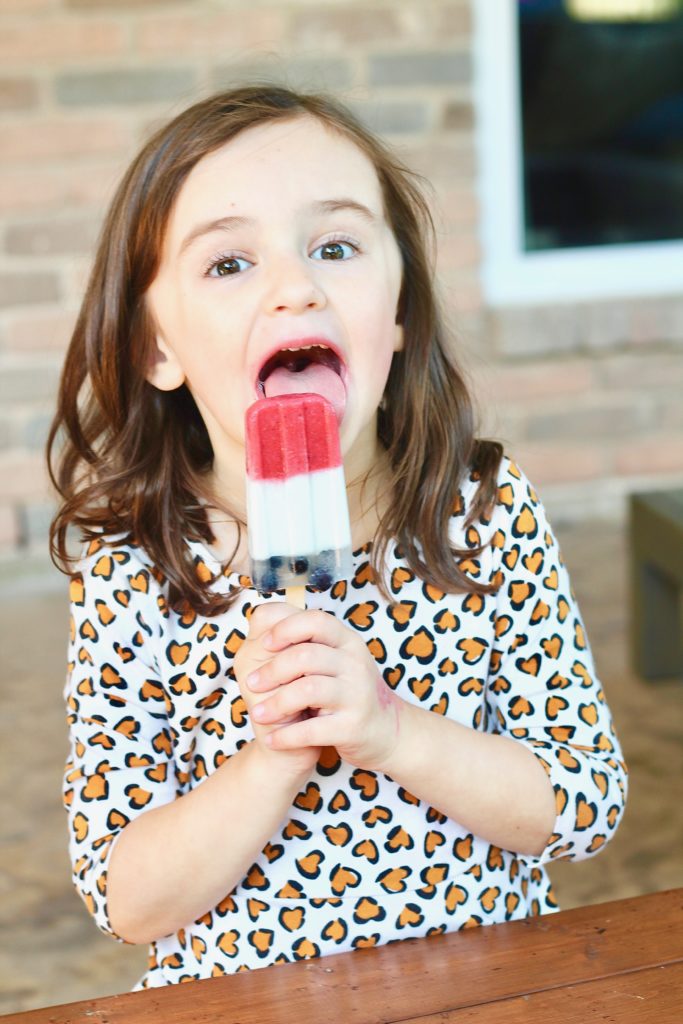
(543, 690)
(120, 743)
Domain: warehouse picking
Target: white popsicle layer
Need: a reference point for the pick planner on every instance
(298, 516)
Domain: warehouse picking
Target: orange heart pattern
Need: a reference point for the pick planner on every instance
(154, 709)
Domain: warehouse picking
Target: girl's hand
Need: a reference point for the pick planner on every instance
(251, 656)
(317, 662)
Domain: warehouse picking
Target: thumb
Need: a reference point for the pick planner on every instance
(264, 616)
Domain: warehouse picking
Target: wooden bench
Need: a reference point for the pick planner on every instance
(656, 562)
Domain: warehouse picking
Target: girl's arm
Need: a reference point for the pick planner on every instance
(177, 862)
(493, 786)
(174, 863)
(542, 773)
(150, 852)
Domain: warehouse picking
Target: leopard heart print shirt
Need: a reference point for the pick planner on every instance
(154, 708)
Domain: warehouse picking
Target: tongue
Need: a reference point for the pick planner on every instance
(315, 377)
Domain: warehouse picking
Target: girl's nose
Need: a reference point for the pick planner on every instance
(294, 287)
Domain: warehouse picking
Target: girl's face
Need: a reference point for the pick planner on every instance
(276, 239)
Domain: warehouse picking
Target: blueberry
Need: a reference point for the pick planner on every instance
(321, 579)
(299, 566)
(275, 562)
(269, 581)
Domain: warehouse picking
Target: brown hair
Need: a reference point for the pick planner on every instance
(133, 457)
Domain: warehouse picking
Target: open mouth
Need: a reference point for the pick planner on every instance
(311, 368)
(297, 361)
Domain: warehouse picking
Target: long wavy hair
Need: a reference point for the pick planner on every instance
(130, 460)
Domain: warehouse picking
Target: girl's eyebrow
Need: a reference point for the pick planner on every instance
(332, 205)
(320, 206)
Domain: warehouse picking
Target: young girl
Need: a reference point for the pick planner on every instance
(251, 783)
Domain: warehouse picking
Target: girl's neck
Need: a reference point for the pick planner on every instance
(369, 495)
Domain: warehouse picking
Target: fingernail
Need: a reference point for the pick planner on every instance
(267, 639)
(252, 680)
(258, 712)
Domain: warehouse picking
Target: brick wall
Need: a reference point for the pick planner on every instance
(586, 397)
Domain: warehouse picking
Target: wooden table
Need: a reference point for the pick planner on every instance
(619, 962)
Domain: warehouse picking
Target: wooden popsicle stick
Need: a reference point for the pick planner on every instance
(297, 596)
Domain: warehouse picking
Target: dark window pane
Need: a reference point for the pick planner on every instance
(602, 125)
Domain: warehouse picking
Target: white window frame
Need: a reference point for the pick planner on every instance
(511, 276)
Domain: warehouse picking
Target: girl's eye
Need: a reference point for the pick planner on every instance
(224, 266)
(335, 250)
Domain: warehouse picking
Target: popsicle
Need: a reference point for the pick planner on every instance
(297, 510)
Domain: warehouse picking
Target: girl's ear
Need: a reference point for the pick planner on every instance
(164, 370)
(398, 337)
